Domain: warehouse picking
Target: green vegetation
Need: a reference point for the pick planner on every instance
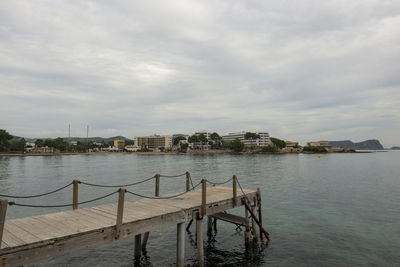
(216, 141)
(183, 148)
(5, 138)
(193, 139)
(251, 136)
(237, 145)
(203, 139)
(316, 149)
(176, 140)
(270, 149)
(278, 142)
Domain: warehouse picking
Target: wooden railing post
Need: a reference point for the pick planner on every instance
(203, 197)
(259, 209)
(3, 211)
(234, 187)
(75, 195)
(187, 181)
(157, 191)
(120, 212)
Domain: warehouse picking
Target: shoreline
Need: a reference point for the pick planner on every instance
(193, 152)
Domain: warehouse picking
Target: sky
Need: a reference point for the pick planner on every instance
(300, 70)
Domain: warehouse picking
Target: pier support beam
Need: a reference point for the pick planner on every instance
(199, 239)
(180, 245)
(144, 241)
(209, 225)
(3, 211)
(253, 223)
(138, 246)
(247, 227)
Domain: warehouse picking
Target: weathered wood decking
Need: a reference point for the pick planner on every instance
(27, 240)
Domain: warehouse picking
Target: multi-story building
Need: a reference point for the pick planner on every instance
(291, 147)
(120, 144)
(262, 141)
(319, 143)
(154, 142)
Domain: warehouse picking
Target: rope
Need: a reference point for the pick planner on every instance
(61, 205)
(38, 195)
(121, 185)
(191, 181)
(218, 183)
(248, 201)
(172, 176)
(168, 197)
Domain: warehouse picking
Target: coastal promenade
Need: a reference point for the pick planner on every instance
(26, 240)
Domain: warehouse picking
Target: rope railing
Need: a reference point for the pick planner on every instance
(166, 197)
(38, 195)
(172, 176)
(189, 188)
(120, 185)
(218, 183)
(12, 203)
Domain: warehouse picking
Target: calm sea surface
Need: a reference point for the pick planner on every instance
(336, 210)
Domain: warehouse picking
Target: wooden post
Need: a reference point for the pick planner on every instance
(247, 226)
(234, 187)
(75, 194)
(138, 246)
(157, 193)
(120, 212)
(144, 241)
(3, 211)
(266, 234)
(180, 245)
(187, 181)
(209, 225)
(253, 223)
(259, 210)
(199, 237)
(203, 197)
(215, 225)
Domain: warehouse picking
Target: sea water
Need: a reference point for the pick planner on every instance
(332, 210)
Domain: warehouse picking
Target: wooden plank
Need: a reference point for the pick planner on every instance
(22, 234)
(10, 239)
(35, 228)
(238, 220)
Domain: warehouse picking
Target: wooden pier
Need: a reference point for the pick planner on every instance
(35, 238)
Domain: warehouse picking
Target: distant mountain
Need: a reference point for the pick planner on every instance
(395, 148)
(80, 139)
(365, 145)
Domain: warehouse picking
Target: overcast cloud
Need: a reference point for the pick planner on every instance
(301, 70)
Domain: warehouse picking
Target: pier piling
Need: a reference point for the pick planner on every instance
(180, 245)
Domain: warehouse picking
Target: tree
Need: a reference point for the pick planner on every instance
(215, 140)
(18, 145)
(39, 142)
(237, 145)
(193, 139)
(183, 147)
(251, 136)
(4, 140)
(278, 142)
(176, 139)
(316, 149)
(269, 149)
(203, 139)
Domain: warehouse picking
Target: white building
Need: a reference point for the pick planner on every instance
(262, 141)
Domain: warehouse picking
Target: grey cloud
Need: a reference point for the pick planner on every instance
(300, 70)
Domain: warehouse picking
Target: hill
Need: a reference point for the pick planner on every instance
(80, 139)
(365, 145)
